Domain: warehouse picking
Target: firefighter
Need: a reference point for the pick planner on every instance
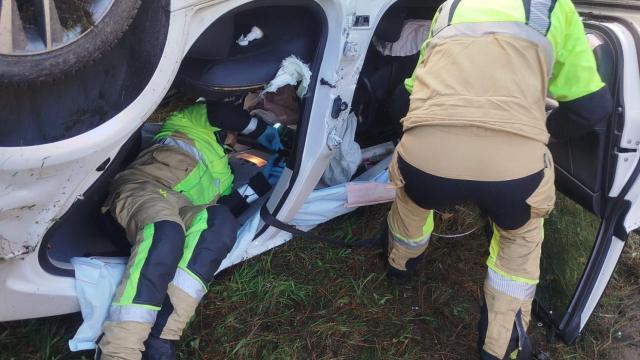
(167, 201)
(476, 131)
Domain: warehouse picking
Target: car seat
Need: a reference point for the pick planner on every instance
(384, 72)
(237, 70)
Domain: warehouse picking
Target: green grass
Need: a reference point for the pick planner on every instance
(311, 301)
(569, 237)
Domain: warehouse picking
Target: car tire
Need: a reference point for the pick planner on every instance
(33, 68)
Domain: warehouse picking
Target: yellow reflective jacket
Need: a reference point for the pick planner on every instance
(212, 177)
(574, 72)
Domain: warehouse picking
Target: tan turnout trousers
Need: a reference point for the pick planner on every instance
(477, 113)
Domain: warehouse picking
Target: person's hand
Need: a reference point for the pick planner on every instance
(273, 170)
(271, 139)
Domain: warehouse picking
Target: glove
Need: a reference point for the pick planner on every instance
(273, 170)
(271, 139)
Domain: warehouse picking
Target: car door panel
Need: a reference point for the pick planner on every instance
(599, 172)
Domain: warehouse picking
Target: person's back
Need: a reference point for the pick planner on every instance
(491, 91)
(476, 131)
(490, 64)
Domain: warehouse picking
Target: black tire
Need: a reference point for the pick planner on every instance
(26, 69)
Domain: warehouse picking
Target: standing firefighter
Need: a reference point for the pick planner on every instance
(476, 131)
(166, 201)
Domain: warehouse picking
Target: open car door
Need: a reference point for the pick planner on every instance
(599, 171)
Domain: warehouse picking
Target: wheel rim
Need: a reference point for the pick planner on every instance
(29, 27)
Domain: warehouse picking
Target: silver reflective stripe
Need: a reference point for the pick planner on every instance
(411, 244)
(540, 15)
(443, 18)
(191, 150)
(188, 284)
(516, 29)
(120, 313)
(516, 289)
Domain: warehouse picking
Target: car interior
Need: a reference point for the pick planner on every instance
(382, 74)
(581, 163)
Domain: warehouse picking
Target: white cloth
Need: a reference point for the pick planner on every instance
(292, 71)
(96, 282)
(347, 155)
(414, 34)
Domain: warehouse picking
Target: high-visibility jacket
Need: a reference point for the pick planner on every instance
(570, 60)
(212, 177)
(464, 79)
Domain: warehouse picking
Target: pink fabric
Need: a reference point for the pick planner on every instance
(371, 193)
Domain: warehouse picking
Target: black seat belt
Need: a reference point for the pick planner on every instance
(269, 219)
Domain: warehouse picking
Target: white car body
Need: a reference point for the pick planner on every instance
(40, 183)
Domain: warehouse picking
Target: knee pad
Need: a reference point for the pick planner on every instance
(223, 224)
(214, 243)
(160, 263)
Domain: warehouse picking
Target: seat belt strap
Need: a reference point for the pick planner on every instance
(271, 220)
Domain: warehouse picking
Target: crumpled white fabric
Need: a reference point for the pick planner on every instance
(96, 281)
(414, 34)
(292, 71)
(347, 156)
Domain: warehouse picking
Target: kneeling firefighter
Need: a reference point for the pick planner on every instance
(476, 131)
(167, 200)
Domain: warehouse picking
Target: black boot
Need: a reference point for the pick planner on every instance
(519, 348)
(397, 276)
(159, 349)
(403, 277)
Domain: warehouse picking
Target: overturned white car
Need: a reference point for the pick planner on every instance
(76, 93)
